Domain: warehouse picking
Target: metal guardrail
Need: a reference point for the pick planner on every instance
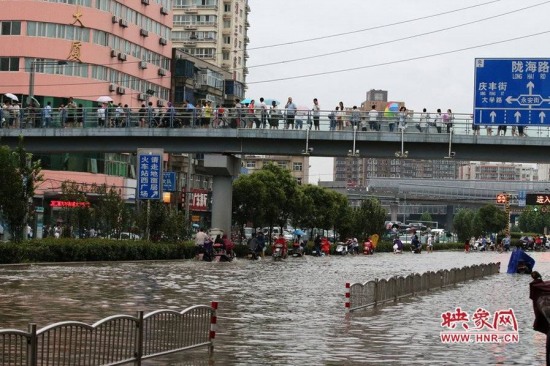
(115, 340)
(377, 292)
(161, 117)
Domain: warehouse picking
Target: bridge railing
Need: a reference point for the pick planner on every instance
(115, 340)
(144, 117)
(377, 292)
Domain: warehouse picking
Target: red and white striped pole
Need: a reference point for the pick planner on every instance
(348, 295)
(213, 321)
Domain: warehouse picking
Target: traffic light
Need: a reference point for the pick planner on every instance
(502, 198)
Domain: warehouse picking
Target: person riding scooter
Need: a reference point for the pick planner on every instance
(281, 243)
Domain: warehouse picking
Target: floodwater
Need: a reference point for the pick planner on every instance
(286, 313)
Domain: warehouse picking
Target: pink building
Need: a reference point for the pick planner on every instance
(120, 49)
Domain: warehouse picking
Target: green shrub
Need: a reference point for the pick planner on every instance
(80, 250)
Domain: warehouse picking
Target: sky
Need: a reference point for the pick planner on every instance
(422, 52)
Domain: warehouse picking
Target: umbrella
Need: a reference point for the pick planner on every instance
(302, 110)
(298, 232)
(270, 101)
(104, 99)
(12, 96)
(391, 109)
(246, 101)
(34, 101)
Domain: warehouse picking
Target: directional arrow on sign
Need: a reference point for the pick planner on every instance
(493, 114)
(518, 116)
(530, 86)
(542, 116)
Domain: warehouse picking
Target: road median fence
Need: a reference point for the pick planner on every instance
(377, 292)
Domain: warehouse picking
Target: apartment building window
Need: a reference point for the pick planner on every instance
(297, 167)
(282, 164)
(226, 7)
(226, 56)
(240, 29)
(227, 40)
(251, 164)
(9, 63)
(227, 23)
(11, 28)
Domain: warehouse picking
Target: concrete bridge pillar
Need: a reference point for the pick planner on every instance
(223, 168)
(394, 207)
(449, 218)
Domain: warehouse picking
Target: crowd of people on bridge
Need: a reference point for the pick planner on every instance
(251, 114)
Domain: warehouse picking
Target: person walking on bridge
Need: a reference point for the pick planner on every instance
(438, 121)
(290, 113)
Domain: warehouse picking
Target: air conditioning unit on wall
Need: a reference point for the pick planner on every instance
(120, 90)
(143, 64)
(112, 87)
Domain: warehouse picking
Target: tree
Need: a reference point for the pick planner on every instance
(369, 218)
(18, 177)
(79, 217)
(464, 224)
(534, 220)
(112, 214)
(269, 197)
(491, 219)
(426, 217)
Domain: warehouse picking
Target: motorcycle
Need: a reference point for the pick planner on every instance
(278, 252)
(368, 248)
(296, 250)
(342, 248)
(220, 254)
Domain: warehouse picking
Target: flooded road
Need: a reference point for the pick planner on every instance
(286, 313)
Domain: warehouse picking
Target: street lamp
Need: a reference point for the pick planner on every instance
(34, 63)
(308, 150)
(354, 152)
(402, 154)
(451, 153)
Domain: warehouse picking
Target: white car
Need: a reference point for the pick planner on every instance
(288, 235)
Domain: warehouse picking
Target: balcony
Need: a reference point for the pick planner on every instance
(190, 43)
(191, 10)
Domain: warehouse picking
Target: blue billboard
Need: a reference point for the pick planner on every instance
(512, 91)
(150, 177)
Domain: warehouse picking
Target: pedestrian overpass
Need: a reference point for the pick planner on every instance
(459, 144)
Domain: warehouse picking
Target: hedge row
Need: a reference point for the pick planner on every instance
(71, 250)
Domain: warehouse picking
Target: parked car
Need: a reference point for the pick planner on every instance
(124, 236)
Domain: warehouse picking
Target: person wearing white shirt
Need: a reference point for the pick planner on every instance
(373, 119)
(316, 114)
(263, 113)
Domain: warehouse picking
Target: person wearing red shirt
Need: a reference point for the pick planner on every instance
(282, 242)
(325, 246)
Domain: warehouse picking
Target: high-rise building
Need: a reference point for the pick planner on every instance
(498, 171)
(86, 49)
(214, 30)
(297, 165)
(356, 171)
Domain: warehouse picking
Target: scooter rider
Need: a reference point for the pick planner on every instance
(281, 241)
(253, 246)
(261, 244)
(317, 245)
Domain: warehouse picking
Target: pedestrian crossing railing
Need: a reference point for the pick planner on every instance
(116, 340)
(379, 291)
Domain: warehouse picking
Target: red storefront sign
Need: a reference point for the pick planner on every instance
(71, 204)
(198, 199)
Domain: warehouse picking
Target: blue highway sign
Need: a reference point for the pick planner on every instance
(169, 182)
(150, 174)
(512, 91)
